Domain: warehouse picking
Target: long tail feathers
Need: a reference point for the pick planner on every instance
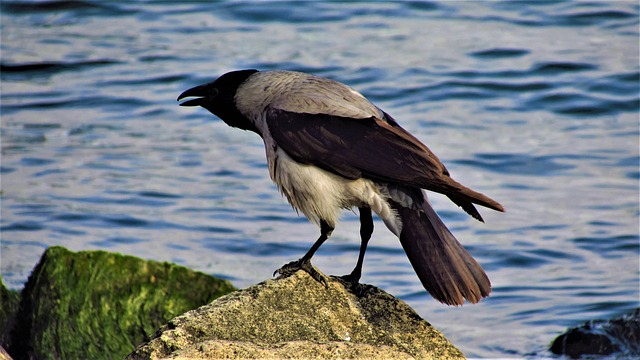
(447, 271)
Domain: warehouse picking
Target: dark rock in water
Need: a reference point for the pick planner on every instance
(297, 317)
(617, 337)
(100, 305)
(9, 303)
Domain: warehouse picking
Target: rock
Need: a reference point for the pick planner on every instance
(4, 355)
(297, 317)
(100, 305)
(619, 337)
(9, 302)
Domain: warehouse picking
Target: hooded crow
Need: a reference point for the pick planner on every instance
(329, 148)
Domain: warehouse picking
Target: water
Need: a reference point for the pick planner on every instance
(533, 103)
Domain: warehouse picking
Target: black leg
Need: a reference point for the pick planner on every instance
(304, 263)
(325, 232)
(366, 229)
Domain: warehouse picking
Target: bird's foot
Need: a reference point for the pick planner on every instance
(352, 278)
(290, 268)
(352, 282)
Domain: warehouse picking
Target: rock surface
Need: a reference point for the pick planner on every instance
(617, 338)
(100, 305)
(9, 302)
(297, 317)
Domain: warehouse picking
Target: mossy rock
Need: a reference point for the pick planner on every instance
(101, 305)
(9, 302)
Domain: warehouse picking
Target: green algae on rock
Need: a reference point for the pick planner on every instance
(101, 305)
(9, 302)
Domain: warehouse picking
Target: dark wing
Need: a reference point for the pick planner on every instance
(377, 149)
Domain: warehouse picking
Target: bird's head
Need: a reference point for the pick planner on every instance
(218, 97)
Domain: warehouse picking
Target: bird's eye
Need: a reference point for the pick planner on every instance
(213, 92)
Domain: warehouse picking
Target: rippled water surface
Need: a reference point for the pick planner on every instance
(533, 103)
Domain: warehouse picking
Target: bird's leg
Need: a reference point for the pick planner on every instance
(304, 263)
(366, 229)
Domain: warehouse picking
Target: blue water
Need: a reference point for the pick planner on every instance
(533, 103)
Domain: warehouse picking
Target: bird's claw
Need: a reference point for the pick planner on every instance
(352, 283)
(290, 268)
(352, 278)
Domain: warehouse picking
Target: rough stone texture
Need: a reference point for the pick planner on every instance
(9, 302)
(4, 355)
(297, 317)
(100, 305)
(617, 338)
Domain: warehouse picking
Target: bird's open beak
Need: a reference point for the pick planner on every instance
(199, 91)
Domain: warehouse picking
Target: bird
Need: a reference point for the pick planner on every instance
(328, 149)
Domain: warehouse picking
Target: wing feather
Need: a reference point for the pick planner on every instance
(373, 148)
